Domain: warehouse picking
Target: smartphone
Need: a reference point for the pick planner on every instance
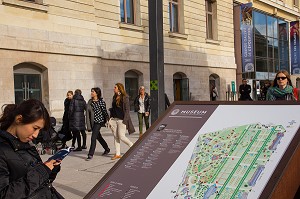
(61, 154)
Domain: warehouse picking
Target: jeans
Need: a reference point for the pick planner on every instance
(146, 118)
(96, 135)
(119, 129)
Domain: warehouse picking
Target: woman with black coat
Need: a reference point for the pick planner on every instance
(22, 172)
(66, 127)
(77, 119)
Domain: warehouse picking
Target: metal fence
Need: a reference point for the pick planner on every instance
(232, 96)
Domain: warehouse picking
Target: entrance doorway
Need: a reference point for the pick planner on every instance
(28, 79)
(214, 80)
(27, 86)
(131, 86)
(181, 87)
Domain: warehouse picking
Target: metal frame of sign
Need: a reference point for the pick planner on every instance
(275, 178)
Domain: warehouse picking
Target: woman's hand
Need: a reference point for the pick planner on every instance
(50, 164)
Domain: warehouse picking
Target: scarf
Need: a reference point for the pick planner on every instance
(281, 94)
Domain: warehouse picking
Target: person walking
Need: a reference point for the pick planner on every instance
(245, 90)
(22, 172)
(120, 119)
(96, 117)
(142, 107)
(77, 119)
(282, 88)
(214, 93)
(167, 102)
(66, 127)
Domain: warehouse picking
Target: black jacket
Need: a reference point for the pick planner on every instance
(22, 172)
(245, 91)
(90, 114)
(146, 103)
(66, 111)
(76, 113)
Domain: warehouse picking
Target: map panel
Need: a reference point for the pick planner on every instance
(229, 162)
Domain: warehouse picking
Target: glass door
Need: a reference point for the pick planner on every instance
(27, 86)
(131, 86)
(184, 87)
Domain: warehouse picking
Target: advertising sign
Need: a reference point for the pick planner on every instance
(205, 151)
(247, 37)
(295, 56)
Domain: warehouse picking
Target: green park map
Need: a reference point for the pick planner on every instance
(228, 163)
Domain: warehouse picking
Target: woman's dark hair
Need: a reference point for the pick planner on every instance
(31, 111)
(97, 91)
(289, 82)
(78, 92)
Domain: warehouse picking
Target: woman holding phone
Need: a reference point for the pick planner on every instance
(22, 172)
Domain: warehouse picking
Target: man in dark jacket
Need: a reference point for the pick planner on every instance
(77, 119)
(245, 91)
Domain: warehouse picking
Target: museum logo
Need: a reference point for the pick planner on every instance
(188, 112)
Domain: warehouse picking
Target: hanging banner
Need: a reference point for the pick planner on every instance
(295, 56)
(247, 37)
(283, 46)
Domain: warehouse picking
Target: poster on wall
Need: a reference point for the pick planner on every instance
(295, 56)
(247, 37)
(205, 151)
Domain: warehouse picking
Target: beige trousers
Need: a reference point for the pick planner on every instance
(119, 129)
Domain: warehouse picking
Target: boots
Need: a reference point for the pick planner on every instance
(141, 134)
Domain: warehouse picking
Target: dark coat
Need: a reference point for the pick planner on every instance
(90, 115)
(22, 172)
(127, 120)
(245, 91)
(146, 103)
(76, 113)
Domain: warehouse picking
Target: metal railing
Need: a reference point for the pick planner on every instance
(232, 96)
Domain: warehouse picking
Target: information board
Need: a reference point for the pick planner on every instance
(206, 150)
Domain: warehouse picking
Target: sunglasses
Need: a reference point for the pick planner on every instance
(281, 78)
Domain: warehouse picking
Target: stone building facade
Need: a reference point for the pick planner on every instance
(48, 47)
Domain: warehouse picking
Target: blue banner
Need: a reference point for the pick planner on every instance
(295, 58)
(247, 37)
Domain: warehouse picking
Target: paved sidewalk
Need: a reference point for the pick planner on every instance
(78, 176)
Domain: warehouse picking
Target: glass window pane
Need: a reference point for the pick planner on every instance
(270, 47)
(209, 27)
(175, 17)
(259, 23)
(208, 6)
(170, 17)
(276, 65)
(129, 11)
(122, 11)
(261, 65)
(260, 46)
(270, 25)
(271, 66)
(275, 27)
(276, 56)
